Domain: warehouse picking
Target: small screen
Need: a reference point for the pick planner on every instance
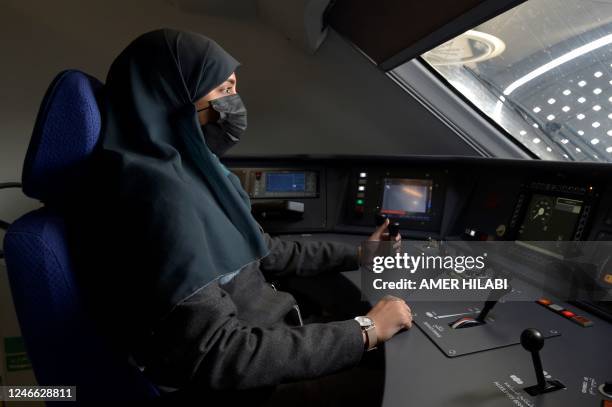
(550, 218)
(403, 197)
(286, 182)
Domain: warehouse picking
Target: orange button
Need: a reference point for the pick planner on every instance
(544, 301)
(582, 321)
(608, 278)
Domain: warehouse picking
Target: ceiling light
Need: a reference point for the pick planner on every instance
(537, 109)
(580, 116)
(595, 141)
(581, 99)
(581, 132)
(597, 108)
(551, 101)
(567, 92)
(582, 83)
(551, 117)
(565, 108)
(597, 74)
(597, 91)
(596, 124)
(536, 140)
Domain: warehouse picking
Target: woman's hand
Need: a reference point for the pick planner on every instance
(382, 233)
(390, 315)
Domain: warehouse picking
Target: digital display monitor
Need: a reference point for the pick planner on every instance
(285, 182)
(406, 198)
(550, 218)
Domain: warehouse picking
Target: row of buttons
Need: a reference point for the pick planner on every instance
(560, 188)
(360, 199)
(580, 320)
(582, 222)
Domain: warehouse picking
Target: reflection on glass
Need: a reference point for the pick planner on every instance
(543, 72)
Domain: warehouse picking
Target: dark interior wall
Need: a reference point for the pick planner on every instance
(332, 102)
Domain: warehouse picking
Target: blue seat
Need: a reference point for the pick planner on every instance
(62, 341)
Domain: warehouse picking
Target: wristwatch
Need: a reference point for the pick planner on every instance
(368, 327)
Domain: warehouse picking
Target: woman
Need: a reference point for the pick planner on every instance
(182, 282)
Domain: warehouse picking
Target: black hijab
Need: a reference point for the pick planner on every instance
(174, 217)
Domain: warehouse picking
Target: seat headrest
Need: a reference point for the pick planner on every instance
(66, 131)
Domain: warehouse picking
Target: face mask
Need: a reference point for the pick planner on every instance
(225, 133)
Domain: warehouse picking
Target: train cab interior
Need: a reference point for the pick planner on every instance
(477, 129)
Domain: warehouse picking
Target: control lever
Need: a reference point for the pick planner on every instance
(380, 218)
(533, 341)
(494, 297)
(394, 229)
(467, 322)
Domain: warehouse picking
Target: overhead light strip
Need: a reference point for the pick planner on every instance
(591, 46)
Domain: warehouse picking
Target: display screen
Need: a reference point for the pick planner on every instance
(550, 218)
(403, 197)
(286, 182)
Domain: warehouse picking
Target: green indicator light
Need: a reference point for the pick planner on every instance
(360, 202)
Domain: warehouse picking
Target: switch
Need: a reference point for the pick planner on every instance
(568, 314)
(582, 321)
(556, 307)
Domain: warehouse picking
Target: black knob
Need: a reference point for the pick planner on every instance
(532, 340)
(380, 218)
(394, 229)
(608, 387)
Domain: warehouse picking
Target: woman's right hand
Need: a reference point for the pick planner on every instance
(390, 315)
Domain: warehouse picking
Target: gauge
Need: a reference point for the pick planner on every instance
(541, 211)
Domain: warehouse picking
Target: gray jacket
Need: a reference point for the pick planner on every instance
(236, 335)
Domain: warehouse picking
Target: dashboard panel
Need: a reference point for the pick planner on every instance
(438, 197)
(462, 199)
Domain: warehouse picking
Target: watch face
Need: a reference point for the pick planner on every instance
(364, 321)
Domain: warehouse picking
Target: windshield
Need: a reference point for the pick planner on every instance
(542, 71)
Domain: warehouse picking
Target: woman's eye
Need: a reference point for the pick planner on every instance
(227, 90)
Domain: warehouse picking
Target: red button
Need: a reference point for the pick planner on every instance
(544, 301)
(568, 314)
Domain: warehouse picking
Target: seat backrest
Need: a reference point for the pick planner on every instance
(63, 343)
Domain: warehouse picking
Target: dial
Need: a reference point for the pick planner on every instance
(541, 211)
